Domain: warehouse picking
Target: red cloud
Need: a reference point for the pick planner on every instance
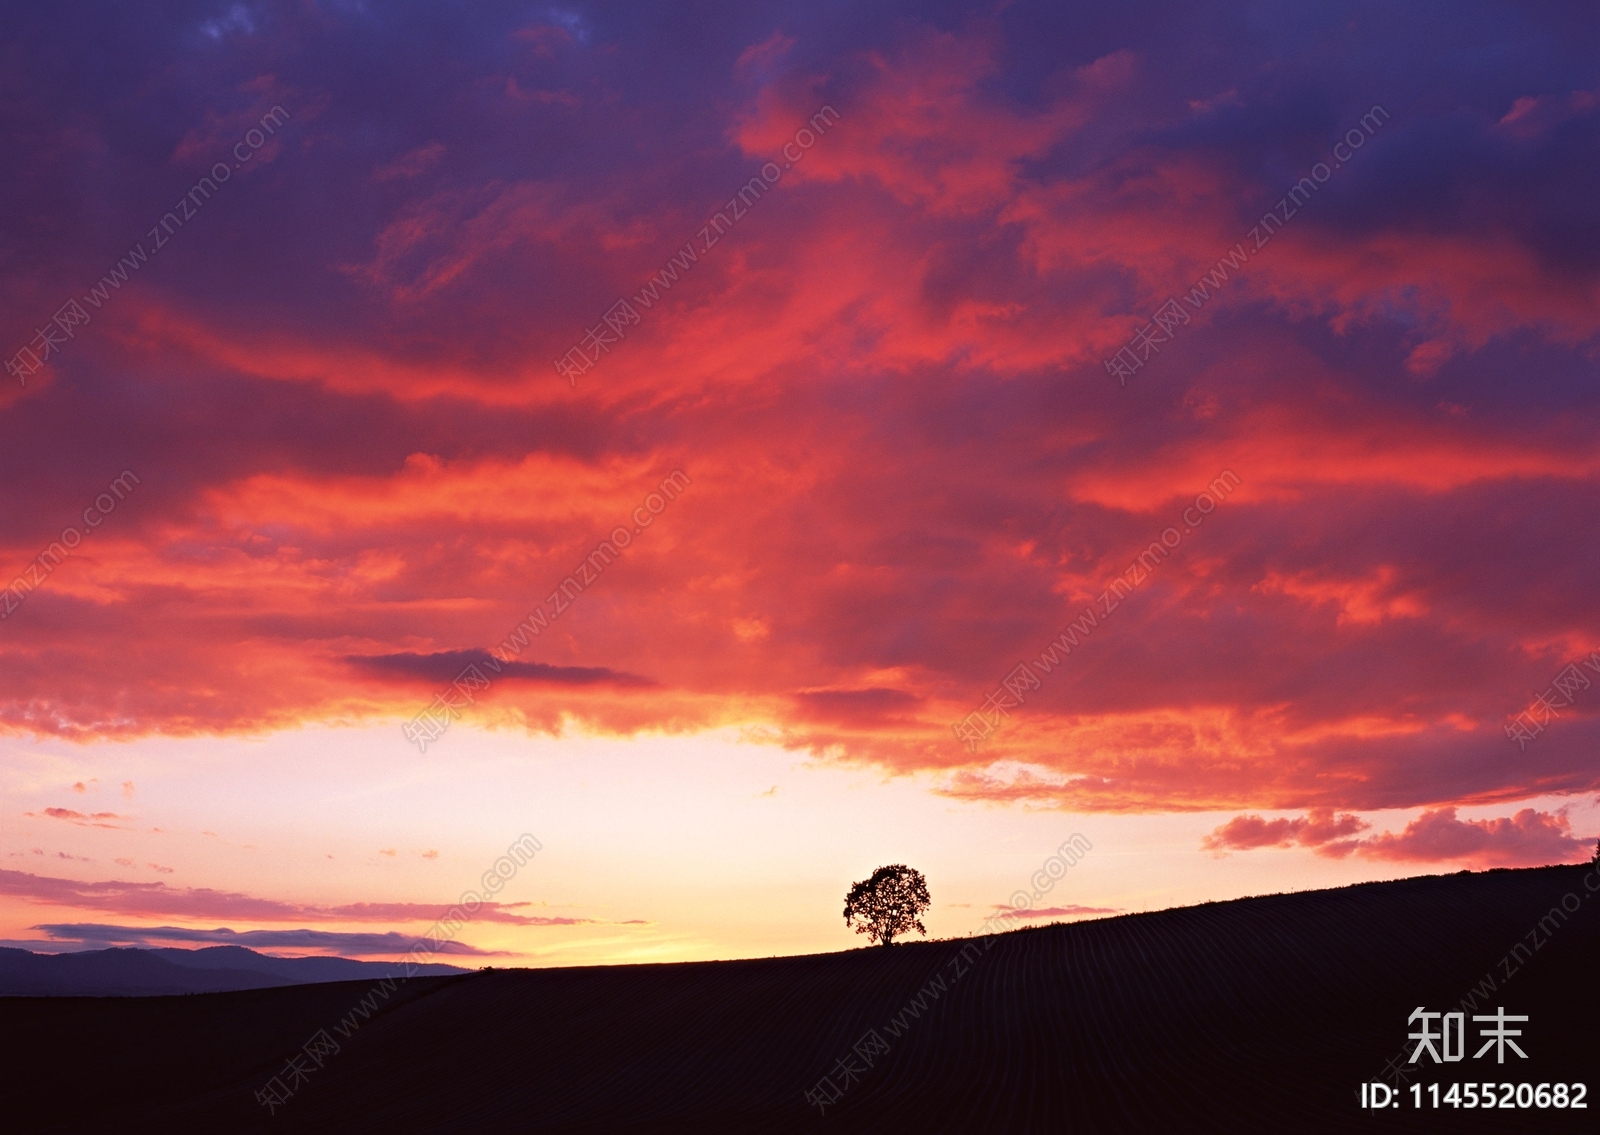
(924, 125)
(868, 707)
(1528, 839)
(911, 469)
(1319, 827)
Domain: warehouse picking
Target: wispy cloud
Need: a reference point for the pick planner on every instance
(92, 934)
(1071, 910)
(82, 819)
(443, 665)
(202, 902)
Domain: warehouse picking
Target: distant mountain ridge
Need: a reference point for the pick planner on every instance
(130, 972)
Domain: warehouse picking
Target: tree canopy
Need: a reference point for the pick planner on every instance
(888, 904)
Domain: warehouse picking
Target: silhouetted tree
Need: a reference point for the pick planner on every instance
(889, 903)
(1596, 859)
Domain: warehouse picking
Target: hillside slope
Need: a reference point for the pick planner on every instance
(1258, 1015)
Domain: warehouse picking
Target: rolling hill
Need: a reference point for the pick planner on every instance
(1261, 1014)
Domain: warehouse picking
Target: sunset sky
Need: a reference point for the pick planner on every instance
(314, 346)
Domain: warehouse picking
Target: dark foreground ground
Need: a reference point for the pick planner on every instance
(1258, 1015)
